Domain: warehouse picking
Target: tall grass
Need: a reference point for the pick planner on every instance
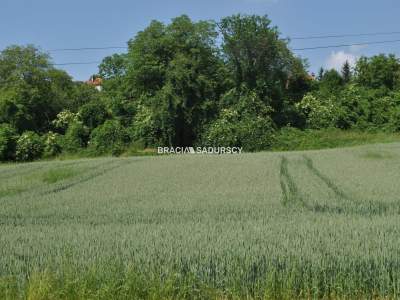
(292, 139)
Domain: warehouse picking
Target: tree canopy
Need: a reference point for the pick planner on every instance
(235, 82)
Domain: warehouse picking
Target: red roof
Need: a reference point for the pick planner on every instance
(95, 81)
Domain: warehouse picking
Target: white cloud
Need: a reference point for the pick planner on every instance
(357, 48)
(337, 59)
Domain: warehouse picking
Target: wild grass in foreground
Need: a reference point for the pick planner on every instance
(288, 225)
(297, 280)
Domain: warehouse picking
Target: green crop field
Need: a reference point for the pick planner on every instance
(317, 224)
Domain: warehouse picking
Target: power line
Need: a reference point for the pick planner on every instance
(315, 37)
(347, 45)
(291, 38)
(294, 49)
(78, 63)
(86, 49)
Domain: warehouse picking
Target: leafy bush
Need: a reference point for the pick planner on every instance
(76, 137)
(30, 146)
(64, 119)
(109, 137)
(144, 126)
(394, 122)
(52, 144)
(378, 71)
(8, 139)
(354, 105)
(93, 114)
(319, 113)
(245, 124)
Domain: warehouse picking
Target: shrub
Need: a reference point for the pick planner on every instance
(111, 137)
(64, 119)
(394, 121)
(30, 146)
(319, 113)
(52, 144)
(8, 140)
(253, 133)
(354, 107)
(76, 137)
(93, 114)
(144, 127)
(246, 123)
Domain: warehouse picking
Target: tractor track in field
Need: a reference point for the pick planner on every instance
(328, 182)
(96, 172)
(90, 174)
(342, 203)
(291, 194)
(8, 174)
(22, 171)
(36, 189)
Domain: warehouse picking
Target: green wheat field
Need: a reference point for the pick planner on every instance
(283, 225)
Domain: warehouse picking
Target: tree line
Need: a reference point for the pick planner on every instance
(235, 82)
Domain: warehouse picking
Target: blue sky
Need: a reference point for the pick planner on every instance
(53, 24)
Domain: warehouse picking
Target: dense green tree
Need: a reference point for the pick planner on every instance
(174, 71)
(8, 142)
(76, 138)
(259, 60)
(113, 66)
(232, 83)
(346, 72)
(82, 94)
(94, 114)
(381, 71)
(32, 92)
(110, 137)
(113, 72)
(244, 121)
(321, 73)
(331, 82)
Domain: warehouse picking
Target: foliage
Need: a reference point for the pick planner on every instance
(331, 82)
(379, 71)
(81, 94)
(32, 92)
(64, 119)
(8, 139)
(187, 83)
(30, 146)
(394, 121)
(346, 72)
(357, 106)
(318, 113)
(52, 144)
(246, 124)
(259, 60)
(174, 71)
(109, 137)
(113, 66)
(76, 137)
(144, 127)
(122, 109)
(113, 70)
(293, 139)
(93, 114)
